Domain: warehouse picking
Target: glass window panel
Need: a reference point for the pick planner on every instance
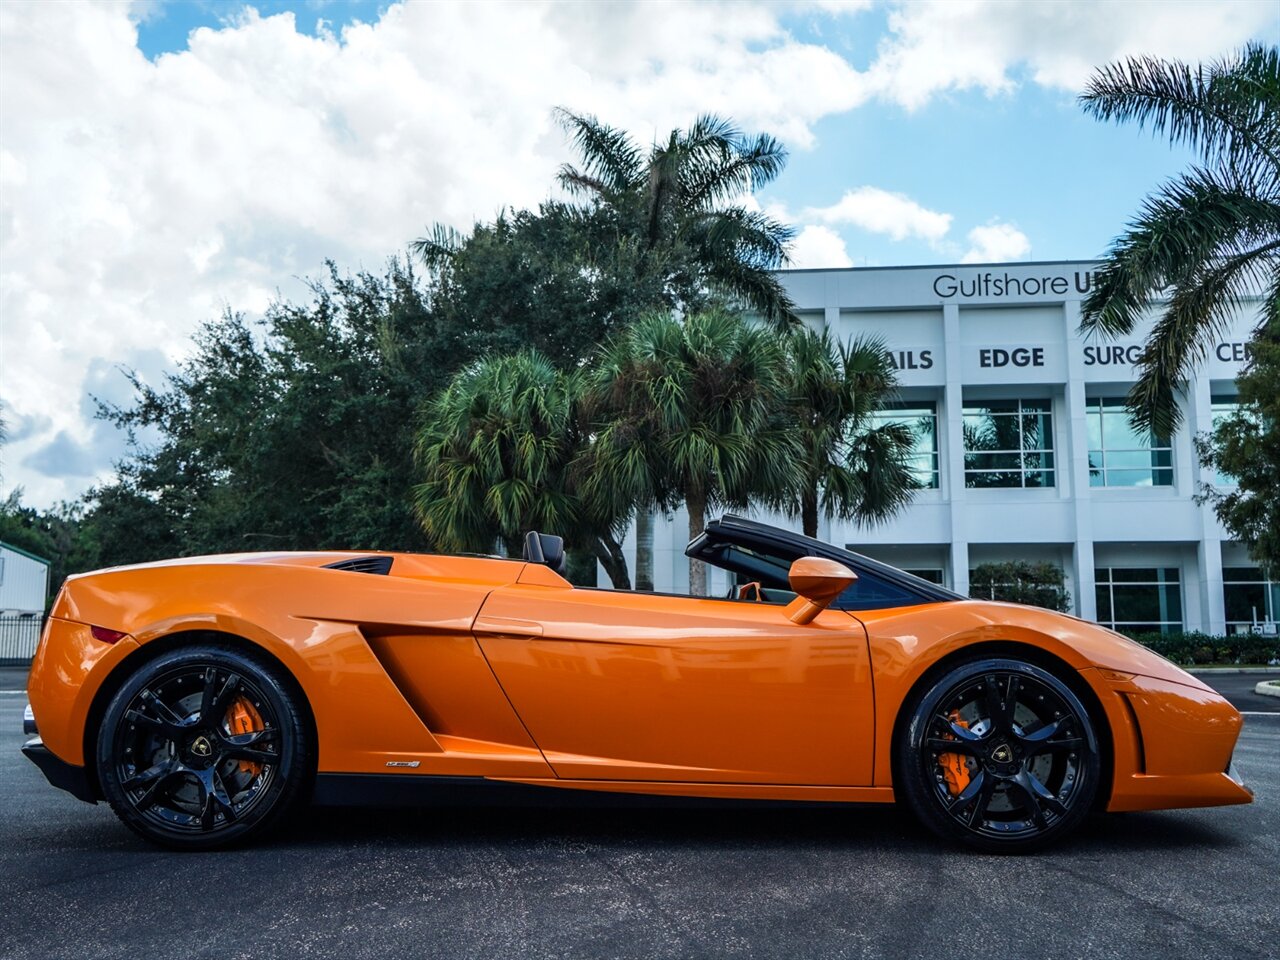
(1139, 478)
(1131, 459)
(1103, 594)
(1093, 423)
(994, 430)
(987, 480)
(992, 406)
(1135, 574)
(1137, 602)
(932, 574)
(993, 461)
(1037, 432)
(922, 420)
(1245, 574)
(1245, 601)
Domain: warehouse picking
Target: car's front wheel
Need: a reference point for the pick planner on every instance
(999, 754)
(202, 747)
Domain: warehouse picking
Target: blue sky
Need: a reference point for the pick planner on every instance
(162, 161)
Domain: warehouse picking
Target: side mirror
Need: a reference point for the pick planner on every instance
(818, 581)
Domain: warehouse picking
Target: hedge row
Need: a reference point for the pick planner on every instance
(1194, 647)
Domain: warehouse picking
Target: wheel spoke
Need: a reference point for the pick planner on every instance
(1000, 707)
(164, 728)
(214, 800)
(1044, 794)
(957, 730)
(1046, 732)
(148, 776)
(157, 789)
(979, 809)
(967, 795)
(214, 699)
(967, 747)
(249, 754)
(1027, 797)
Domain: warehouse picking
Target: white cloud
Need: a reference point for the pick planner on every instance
(880, 211)
(995, 243)
(939, 45)
(138, 198)
(818, 246)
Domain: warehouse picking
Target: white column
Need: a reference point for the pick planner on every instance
(951, 454)
(1213, 611)
(1073, 474)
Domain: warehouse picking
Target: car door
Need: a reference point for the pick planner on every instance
(638, 686)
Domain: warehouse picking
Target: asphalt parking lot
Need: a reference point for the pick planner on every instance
(672, 883)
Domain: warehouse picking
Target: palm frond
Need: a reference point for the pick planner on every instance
(439, 247)
(1186, 223)
(608, 155)
(1199, 311)
(1226, 110)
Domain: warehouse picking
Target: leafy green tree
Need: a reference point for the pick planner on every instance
(498, 450)
(543, 279)
(1210, 238)
(683, 240)
(848, 467)
(1019, 581)
(686, 412)
(1246, 447)
(295, 433)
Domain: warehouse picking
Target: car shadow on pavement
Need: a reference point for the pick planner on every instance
(874, 827)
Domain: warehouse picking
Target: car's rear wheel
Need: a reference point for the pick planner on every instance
(999, 754)
(203, 747)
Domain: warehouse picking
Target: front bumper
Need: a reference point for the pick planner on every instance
(63, 775)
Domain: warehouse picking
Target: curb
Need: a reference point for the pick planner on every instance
(1211, 671)
(1268, 688)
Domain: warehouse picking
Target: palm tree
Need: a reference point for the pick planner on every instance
(848, 467)
(685, 412)
(497, 450)
(681, 235)
(1210, 237)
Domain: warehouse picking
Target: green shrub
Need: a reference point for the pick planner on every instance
(1192, 647)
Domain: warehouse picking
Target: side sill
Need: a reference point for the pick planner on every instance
(430, 790)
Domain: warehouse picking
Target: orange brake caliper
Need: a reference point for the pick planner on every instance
(954, 769)
(243, 718)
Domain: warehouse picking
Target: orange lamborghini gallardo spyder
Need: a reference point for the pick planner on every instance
(204, 698)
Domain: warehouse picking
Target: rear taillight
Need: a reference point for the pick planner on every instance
(107, 636)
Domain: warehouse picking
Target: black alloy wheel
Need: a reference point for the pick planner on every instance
(1001, 755)
(202, 747)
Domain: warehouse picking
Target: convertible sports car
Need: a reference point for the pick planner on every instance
(204, 698)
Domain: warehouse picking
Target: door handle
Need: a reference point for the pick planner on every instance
(507, 626)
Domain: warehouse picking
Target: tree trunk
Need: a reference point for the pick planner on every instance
(809, 511)
(644, 549)
(609, 552)
(696, 504)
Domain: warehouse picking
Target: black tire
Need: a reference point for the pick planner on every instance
(175, 771)
(999, 773)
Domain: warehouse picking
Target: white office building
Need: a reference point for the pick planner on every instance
(1024, 449)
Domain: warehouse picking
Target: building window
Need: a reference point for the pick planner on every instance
(1008, 443)
(1140, 599)
(932, 574)
(1120, 456)
(1251, 600)
(922, 419)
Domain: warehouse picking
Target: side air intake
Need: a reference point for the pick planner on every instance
(381, 566)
